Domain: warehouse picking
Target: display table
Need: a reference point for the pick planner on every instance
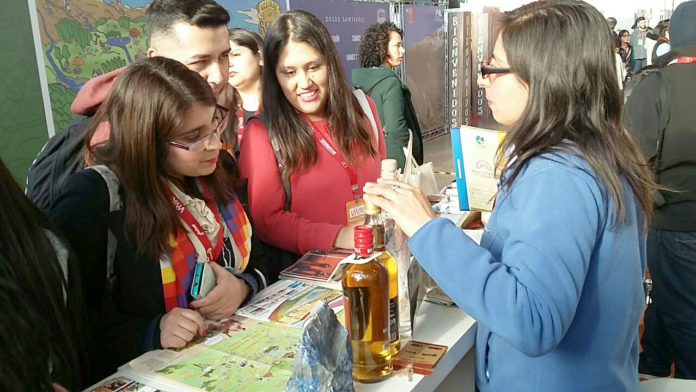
(438, 324)
(449, 326)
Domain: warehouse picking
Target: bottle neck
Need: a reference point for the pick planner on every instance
(363, 254)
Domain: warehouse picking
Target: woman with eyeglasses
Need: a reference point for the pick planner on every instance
(625, 50)
(307, 161)
(176, 211)
(556, 282)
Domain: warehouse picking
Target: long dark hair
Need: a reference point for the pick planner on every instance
(574, 99)
(374, 44)
(286, 128)
(145, 108)
(28, 257)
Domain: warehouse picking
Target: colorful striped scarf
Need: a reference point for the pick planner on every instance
(177, 271)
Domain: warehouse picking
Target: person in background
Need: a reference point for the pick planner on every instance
(381, 50)
(611, 22)
(556, 283)
(177, 211)
(662, 45)
(638, 40)
(39, 278)
(625, 50)
(670, 320)
(244, 91)
(307, 161)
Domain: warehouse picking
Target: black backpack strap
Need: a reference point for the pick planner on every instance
(279, 159)
(663, 119)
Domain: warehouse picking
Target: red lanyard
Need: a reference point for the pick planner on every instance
(325, 141)
(240, 125)
(185, 214)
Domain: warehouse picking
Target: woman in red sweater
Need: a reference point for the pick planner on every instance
(313, 137)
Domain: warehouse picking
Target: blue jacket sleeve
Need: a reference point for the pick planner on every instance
(525, 281)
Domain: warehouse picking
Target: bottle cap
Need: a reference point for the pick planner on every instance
(371, 209)
(389, 165)
(363, 240)
(388, 169)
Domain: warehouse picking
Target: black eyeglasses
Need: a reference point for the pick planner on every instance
(486, 69)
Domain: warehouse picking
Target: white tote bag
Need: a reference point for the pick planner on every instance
(422, 176)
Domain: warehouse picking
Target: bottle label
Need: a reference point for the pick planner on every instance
(393, 319)
(360, 260)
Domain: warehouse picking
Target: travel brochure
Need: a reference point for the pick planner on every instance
(239, 354)
(290, 302)
(322, 268)
(475, 151)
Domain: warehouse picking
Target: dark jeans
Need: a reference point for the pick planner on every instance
(670, 321)
(639, 64)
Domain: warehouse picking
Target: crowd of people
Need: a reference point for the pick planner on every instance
(640, 48)
(240, 152)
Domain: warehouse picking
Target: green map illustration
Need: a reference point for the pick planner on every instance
(258, 358)
(82, 39)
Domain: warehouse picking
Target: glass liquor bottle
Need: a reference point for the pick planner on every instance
(373, 218)
(366, 304)
(397, 244)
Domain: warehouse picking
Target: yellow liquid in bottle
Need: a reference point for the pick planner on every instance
(373, 219)
(366, 305)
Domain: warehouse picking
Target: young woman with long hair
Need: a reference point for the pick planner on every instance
(317, 131)
(556, 282)
(177, 210)
(41, 266)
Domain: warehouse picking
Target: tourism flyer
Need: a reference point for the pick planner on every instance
(290, 302)
(475, 151)
(318, 267)
(243, 354)
(120, 383)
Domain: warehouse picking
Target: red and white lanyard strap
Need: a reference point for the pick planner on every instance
(211, 252)
(240, 125)
(683, 60)
(325, 141)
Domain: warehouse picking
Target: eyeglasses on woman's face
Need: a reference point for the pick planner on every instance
(625, 35)
(218, 126)
(487, 69)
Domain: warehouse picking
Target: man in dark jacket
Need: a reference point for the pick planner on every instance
(670, 321)
(381, 49)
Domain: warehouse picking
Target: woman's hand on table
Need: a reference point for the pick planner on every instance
(223, 300)
(179, 326)
(408, 205)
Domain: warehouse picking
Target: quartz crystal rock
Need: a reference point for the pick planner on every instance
(324, 361)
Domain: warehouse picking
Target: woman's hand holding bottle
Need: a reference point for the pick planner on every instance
(408, 205)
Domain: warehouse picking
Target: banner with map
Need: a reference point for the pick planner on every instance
(81, 39)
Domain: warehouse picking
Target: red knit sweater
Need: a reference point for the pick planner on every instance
(318, 195)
